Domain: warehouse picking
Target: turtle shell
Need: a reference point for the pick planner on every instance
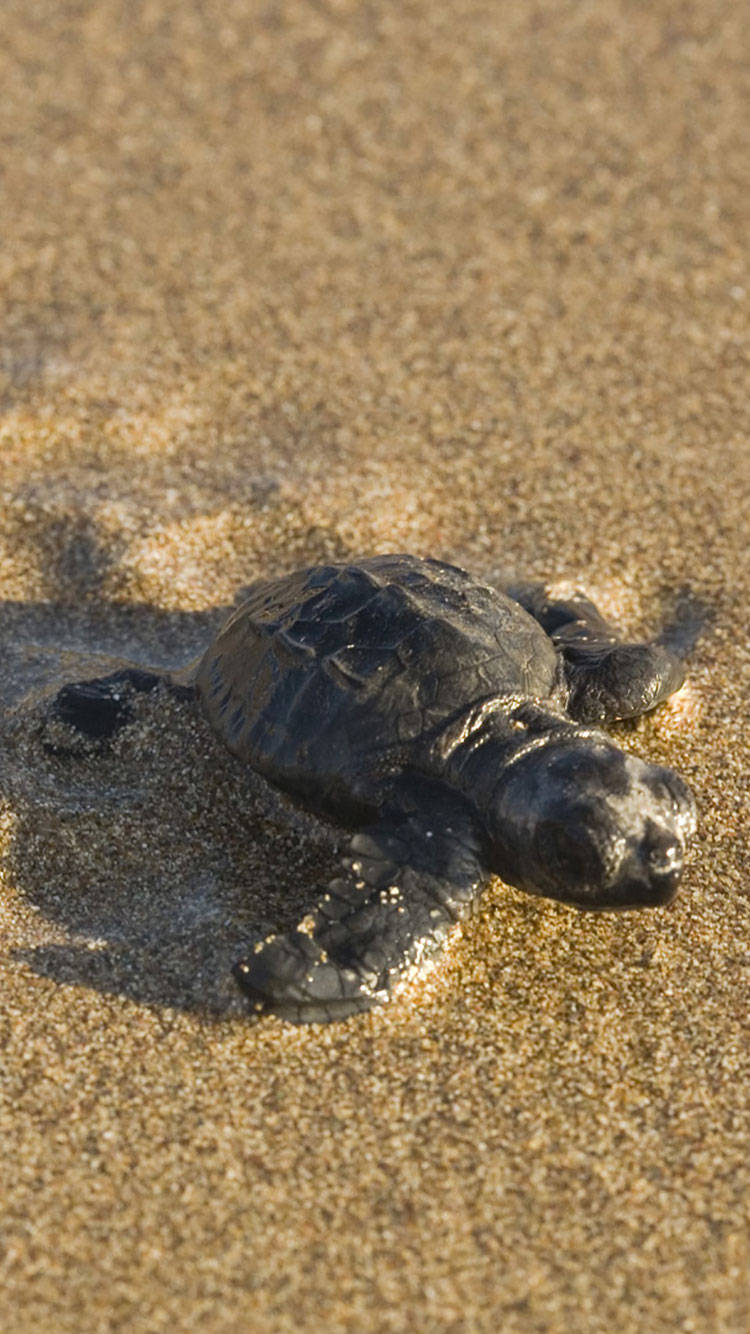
(334, 676)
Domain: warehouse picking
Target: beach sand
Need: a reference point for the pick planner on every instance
(291, 282)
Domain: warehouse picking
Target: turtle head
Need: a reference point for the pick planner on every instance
(579, 820)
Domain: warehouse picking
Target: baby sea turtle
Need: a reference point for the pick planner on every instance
(455, 729)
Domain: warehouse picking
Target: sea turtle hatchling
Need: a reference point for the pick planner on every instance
(455, 729)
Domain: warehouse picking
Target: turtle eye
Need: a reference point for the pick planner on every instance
(566, 852)
(663, 792)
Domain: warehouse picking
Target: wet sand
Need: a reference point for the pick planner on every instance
(291, 282)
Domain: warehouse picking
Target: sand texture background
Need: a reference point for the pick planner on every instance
(292, 281)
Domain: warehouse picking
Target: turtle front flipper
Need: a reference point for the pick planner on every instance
(609, 678)
(407, 880)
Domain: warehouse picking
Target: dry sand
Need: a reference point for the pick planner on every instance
(284, 281)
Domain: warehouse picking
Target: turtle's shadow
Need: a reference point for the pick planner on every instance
(150, 865)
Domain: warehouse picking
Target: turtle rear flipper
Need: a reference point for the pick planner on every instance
(407, 880)
(609, 678)
(99, 708)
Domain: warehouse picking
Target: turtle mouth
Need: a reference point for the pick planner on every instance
(633, 901)
(627, 895)
(648, 879)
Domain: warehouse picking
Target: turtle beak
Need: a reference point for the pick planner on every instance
(663, 862)
(649, 879)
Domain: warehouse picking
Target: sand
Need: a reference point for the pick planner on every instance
(285, 282)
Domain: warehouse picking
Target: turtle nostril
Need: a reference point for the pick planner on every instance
(665, 858)
(663, 867)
